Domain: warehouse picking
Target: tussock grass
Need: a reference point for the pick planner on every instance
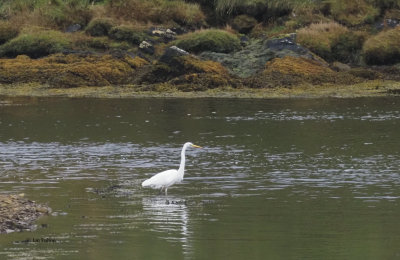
(35, 43)
(383, 48)
(353, 12)
(209, 40)
(158, 11)
(331, 41)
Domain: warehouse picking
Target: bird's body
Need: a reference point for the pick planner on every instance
(167, 178)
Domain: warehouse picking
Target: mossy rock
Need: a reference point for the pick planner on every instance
(36, 44)
(7, 32)
(189, 73)
(99, 27)
(209, 40)
(383, 48)
(127, 33)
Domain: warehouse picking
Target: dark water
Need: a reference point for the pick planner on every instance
(277, 179)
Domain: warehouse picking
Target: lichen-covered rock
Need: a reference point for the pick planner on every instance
(18, 213)
(252, 58)
(166, 35)
(147, 47)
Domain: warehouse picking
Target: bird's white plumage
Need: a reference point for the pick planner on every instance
(167, 178)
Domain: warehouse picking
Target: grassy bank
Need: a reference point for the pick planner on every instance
(63, 47)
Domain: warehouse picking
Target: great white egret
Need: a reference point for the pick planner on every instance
(167, 178)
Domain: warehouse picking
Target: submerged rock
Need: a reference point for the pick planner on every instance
(18, 213)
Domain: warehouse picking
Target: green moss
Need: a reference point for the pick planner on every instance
(383, 48)
(7, 32)
(99, 27)
(209, 40)
(35, 44)
(127, 33)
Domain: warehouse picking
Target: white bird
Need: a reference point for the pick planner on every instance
(167, 178)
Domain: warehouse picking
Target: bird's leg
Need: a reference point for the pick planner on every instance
(166, 191)
(160, 191)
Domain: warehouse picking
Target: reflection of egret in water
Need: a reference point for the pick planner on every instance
(169, 217)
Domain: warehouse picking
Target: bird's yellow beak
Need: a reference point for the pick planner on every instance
(196, 146)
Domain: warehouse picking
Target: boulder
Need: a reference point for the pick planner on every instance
(166, 35)
(171, 53)
(73, 28)
(252, 58)
(146, 47)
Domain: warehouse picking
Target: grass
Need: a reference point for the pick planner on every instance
(7, 31)
(55, 14)
(353, 12)
(208, 40)
(331, 41)
(383, 48)
(158, 11)
(35, 44)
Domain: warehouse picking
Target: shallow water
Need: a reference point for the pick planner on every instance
(277, 179)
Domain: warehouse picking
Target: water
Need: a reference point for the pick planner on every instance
(277, 179)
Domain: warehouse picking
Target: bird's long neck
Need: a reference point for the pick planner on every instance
(181, 169)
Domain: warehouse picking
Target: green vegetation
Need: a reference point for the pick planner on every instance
(332, 41)
(127, 33)
(158, 11)
(277, 34)
(209, 40)
(353, 12)
(35, 44)
(7, 32)
(99, 27)
(383, 48)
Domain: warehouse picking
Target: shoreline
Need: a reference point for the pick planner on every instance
(373, 88)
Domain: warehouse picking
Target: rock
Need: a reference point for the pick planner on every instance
(252, 58)
(244, 40)
(338, 66)
(73, 28)
(387, 23)
(171, 53)
(166, 34)
(18, 214)
(146, 47)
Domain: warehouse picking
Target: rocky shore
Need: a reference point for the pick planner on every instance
(19, 214)
(125, 48)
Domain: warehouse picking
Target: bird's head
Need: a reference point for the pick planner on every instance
(189, 144)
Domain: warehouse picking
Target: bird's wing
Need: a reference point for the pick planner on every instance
(162, 179)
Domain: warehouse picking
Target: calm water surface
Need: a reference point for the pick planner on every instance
(277, 179)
